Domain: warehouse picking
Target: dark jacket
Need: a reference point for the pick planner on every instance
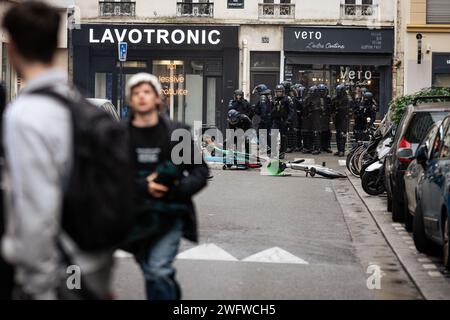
(194, 179)
(342, 109)
(241, 106)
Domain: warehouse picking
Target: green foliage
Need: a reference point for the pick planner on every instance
(398, 106)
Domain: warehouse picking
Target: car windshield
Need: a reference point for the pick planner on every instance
(421, 124)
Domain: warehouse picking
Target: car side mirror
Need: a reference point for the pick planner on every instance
(422, 155)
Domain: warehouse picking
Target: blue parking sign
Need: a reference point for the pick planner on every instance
(123, 48)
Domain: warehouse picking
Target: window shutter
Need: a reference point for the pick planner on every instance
(438, 11)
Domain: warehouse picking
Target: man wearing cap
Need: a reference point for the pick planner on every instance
(163, 190)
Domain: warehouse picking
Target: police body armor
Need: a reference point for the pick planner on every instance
(341, 108)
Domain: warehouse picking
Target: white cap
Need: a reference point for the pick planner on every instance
(139, 78)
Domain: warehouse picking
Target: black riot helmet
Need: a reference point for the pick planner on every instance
(322, 89)
(368, 96)
(301, 90)
(238, 93)
(261, 89)
(340, 90)
(363, 91)
(287, 87)
(279, 90)
(233, 117)
(312, 90)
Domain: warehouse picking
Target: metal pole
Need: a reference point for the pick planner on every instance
(121, 90)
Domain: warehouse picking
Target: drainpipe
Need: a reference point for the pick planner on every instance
(281, 66)
(245, 71)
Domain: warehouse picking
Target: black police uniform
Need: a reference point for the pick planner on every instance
(366, 109)
(280, 115)
(325, 135)
(306, 119)
(341, 108)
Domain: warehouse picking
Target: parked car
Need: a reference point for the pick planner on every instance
(413, 127)
(431, 219)
(413, 175)
(106, 106)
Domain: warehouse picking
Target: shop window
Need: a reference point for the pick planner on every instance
(171, 74)
(333, 75)
(441, 80)
(211, 99)
(438, 11)
(103, 86)
(265, 60)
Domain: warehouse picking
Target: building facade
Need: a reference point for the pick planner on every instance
(8, 76)
(203, 50)
(422, 45)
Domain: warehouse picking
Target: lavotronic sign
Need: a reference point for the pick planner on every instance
(157, 36)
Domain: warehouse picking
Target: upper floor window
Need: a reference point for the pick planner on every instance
(195, 8)
(277, 9)
(438, 11)
(358, 9)
(117, 8)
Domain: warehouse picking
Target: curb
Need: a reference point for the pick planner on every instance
(431, 283)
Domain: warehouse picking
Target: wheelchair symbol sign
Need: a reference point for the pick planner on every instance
(123, 48)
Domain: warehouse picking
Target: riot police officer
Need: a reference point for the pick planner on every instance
(341, 107)
(306, 119)
(298, 108)
(261, 110)
(237, 120)
(366, 109)
(293, 124)
(281, 115)
(325, 106)
(239, 104)
(315, 107)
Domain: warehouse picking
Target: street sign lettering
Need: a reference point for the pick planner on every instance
(156, 36)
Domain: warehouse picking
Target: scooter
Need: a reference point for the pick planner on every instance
(372, 180)
(277, 167)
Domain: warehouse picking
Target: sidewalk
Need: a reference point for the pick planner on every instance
(426, 272)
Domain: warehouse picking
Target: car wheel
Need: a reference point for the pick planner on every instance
(422, 243)
(446, 244)
(398, 214)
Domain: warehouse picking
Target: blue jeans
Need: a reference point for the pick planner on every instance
(157, 267)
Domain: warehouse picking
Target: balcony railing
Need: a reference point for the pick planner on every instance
(277, 10)
(195, 9)
(115, 8)
(358, 11)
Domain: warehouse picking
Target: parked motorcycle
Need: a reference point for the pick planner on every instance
(372, 177)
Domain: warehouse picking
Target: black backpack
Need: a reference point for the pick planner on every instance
(97, 211)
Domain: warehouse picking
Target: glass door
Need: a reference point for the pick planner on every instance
(109, 83)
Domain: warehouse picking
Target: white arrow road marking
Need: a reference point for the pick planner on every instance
(122, 254)
(208, 251)
(275, 255)
(342, 163)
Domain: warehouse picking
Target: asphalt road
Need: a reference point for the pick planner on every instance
(301, 238)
